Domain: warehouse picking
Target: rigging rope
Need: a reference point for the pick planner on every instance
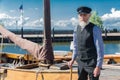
(39, 71)
(1, 49)
(1, 43)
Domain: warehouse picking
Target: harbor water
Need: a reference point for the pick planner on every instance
(110, 47)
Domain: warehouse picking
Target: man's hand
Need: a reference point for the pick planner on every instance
(96, 72)
(70, 63)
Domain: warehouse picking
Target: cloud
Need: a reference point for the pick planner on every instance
(11, 21)
(22, 20)
(112, 20)
(4, 16)
(35, 23)
(8, 20)
(74, 21)
(62, 23)
(70, 23)
(65, 23)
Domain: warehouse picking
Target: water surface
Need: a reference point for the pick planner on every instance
(110, 47)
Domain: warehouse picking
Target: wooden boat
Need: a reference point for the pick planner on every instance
(112, 58)
(33, 70)
(43, 75)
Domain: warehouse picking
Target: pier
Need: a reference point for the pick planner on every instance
(63, 37)
(111, 36)
(39, 38)
(110, 72)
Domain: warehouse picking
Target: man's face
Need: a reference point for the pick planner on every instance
(84, 17)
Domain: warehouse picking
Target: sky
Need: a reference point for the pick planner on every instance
(63, 13)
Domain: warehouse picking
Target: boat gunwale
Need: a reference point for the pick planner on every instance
(43, 71)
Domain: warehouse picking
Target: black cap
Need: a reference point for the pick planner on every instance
(84, 10)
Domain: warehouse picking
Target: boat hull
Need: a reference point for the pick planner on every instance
(112, 57)
(21, 74)
(47, 74)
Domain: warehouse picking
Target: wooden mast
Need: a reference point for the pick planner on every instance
(47, 33)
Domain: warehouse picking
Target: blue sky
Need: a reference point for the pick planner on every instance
(63, 12)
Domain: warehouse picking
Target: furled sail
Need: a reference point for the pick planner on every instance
(43, 53)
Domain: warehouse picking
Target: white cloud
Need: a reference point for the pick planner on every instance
(65, 23)
(4, 16)
(35, 23)
(112, 20)
(62, 23)
(74, 21)
(8, 20)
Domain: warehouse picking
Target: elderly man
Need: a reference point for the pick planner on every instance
(88, 46)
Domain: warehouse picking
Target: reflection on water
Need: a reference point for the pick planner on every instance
(110, 47)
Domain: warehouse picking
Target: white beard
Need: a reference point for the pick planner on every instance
(83, 24)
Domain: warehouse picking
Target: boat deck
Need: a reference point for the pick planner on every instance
(110, 72)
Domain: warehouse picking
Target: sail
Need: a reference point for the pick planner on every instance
(41, 52)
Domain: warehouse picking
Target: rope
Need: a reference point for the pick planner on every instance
(28, 56)
(3, 75)
(1, 44)
(39, 71)
(1, 49)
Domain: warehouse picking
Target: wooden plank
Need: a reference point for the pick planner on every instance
(60, 58)
(30, 75)
(111, 56)
(28, 66)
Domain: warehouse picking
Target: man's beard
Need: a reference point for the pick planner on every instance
(83, 24)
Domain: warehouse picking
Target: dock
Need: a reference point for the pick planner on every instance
(63, 37)
(110, 72)
(111, 36)
(39, 38)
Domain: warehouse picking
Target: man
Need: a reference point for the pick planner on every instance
(88, 46)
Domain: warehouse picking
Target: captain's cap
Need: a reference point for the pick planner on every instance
(84, 10)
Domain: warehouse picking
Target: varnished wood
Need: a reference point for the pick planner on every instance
(54, 73)
(28, 66)
(111, 56)
(19, 74)
(59, 58)
(115, 57)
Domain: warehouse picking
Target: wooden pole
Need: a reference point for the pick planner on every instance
(47, 32)
(71, 73)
